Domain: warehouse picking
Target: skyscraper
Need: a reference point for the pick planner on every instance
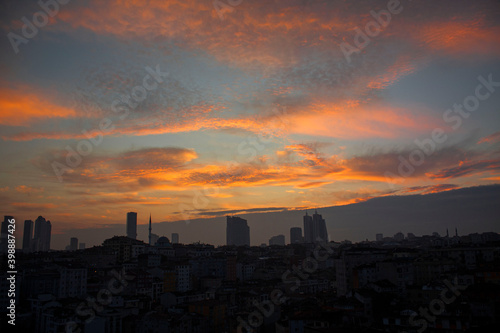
(315, 228)
(308, 229)
(319, 226)
(175, 238)
(132, 225)
(149, 235)
(28, 236)
(295, 235)
(237, 231)
(4, 231)
(41, 241)
(73, 244)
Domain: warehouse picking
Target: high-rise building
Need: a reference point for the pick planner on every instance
(149, 235)
(28, 236)
(4, 231)
(41, 240)
(295, 235)
(175, 238)
(321, 234)
(132, 225)
(73, 244)
(237, 231)
(277, 240)
(308, 229)
(315, 228)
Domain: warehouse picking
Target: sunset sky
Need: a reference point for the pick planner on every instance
(242, 108)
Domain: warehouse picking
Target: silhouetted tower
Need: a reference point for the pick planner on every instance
(315, 228)
(237, 231)
(28, 236)
(295, 235)
(41, 240)
(132, 225)
(175, 238)
(73, 244)
(308, 229)
(149, 238)
(4, 234)
(319, 227)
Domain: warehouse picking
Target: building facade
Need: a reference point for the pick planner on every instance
(132, 225)
(41, 240)
(315, 228)
(237, 231)
(295, 235)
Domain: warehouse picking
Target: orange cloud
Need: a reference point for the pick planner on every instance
(467, 168)
(28, 206)
(491, 138)
(361, 122)
(19, 107)
(429, 189)
(402, 66)
(146, 128)
(28, 189)
(252, 33)
(318, 119)
(460, 37)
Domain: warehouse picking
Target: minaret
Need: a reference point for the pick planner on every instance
(149, 229)
(456, 232)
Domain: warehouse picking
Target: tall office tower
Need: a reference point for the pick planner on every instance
(175, 238)
(315, 228)
(73, 244)
(41, 241)
(277, 240)
(132, 225)
(149, 236)
(28, 236)
(321, 234)
(237, 231)
(4, 232)
(308, 229)
(295, 235)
